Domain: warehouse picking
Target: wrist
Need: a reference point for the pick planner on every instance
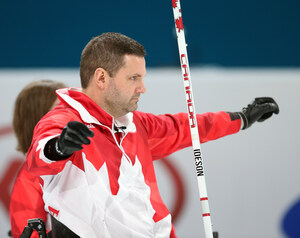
(58, 151)
(52, 151)
(244, 121)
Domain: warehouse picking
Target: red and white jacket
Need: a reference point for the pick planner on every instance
(109, 189)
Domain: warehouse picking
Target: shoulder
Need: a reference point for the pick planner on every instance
(138, 115)
(56, 119)
(60, 114)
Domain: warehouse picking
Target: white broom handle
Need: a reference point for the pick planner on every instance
(192, 118)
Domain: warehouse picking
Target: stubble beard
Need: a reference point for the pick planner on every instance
(117, 107)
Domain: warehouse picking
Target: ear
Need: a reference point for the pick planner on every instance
(101, 77)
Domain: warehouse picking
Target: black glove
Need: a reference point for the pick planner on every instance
(259, 110)
(73, 136)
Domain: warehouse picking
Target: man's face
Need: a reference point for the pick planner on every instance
(124, 89)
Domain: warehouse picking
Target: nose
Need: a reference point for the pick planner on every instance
(141, 88)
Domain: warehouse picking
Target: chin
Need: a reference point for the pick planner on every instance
(133, 109)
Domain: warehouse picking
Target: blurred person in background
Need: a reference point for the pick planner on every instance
(32, 103)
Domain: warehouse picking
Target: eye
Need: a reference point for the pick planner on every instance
(133, 77)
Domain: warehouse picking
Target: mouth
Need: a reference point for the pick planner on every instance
(136, 98)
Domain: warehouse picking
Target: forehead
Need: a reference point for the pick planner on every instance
(134, 64)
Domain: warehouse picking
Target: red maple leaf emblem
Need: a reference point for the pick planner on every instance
(174, 3)
(179, 24)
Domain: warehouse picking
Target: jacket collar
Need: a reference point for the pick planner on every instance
(90, 112)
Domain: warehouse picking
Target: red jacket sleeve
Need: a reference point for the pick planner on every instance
(26, 202)
(49, 127)
(169, 133)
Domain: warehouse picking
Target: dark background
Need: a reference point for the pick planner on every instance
(231, 33)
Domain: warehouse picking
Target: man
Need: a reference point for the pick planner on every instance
(94, 152)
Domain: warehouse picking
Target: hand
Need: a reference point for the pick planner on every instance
(259, 110)
(73, 136)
